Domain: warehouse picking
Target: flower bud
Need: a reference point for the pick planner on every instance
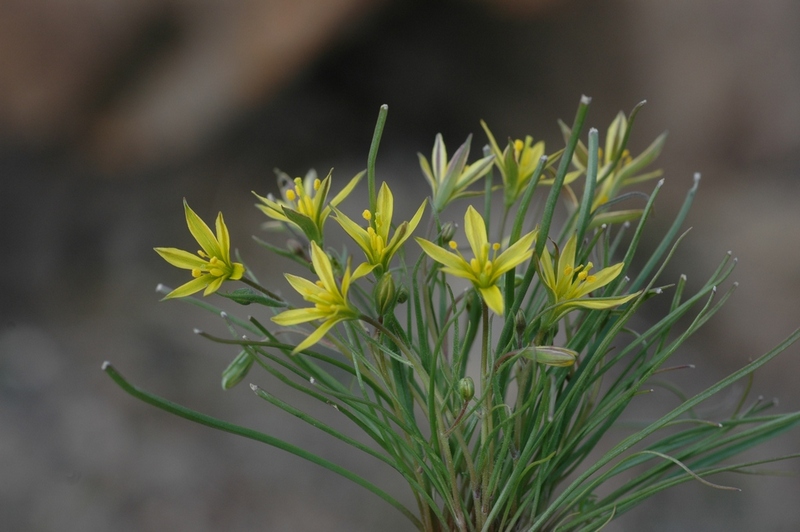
(237, 370)
(520, 322)
(448, 232)
(550, 355)
(402, 295)
(466, 388)
(385, 295)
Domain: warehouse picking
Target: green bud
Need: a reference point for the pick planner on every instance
(385, 295)
(237, 370)
(520, 323)
(466, 388)
(402, 295)
(448, 232)
(550, 355)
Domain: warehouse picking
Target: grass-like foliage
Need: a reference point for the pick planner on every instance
(485, 362)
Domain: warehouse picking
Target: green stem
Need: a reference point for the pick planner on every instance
(197, 417)
(373, 156)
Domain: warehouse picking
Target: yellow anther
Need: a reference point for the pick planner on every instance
(216, 272)
(582, 276)
(568, 271)
(495, 246)
(591, 279)
(518, 145)
(196, 273)
(290, 195)
(453, 244)
(366, 215)
(317, 184)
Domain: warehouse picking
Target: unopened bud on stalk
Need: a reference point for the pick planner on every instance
(297, 248)
(448, 232)
(237, 370)
(402, 295)
(520, 323)
(466, 388)
(385, 295)
(550, 355)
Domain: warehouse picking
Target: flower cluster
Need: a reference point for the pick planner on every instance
(386, 334)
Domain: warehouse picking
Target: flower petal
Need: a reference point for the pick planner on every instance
(475, 229)
(193, 286)
(298, 315)
(493, 298)
(451, 260)
(514, 255)
(601, 278)
(182, 259)
(224, 239)
(323, 268)
(384, 211)
(201, 232)
(213, 285)
(316, 336)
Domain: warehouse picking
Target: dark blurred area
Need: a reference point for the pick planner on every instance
(111, 111)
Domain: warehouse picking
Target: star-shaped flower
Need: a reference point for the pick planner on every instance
(449, 180)
(486, 268)
(330, 301)
(568, 284)
(212, 264)
(374, 240)
(303, 202)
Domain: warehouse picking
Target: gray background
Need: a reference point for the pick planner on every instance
(112, 111)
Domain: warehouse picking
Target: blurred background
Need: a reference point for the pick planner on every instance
(112, 111)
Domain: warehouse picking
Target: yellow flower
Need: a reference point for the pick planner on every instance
(627, 171)
(568, 284)
(303, 202)
(485, 269)
(374, 240)
(517, 163)
(212, 265)
(450, 179)
(330, 301)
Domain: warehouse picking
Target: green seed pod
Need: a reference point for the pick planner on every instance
(237, 370)
(466, 388)
(385, 295)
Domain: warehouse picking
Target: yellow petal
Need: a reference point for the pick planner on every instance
(514, 255)
(193, 286)
(475, 229)
(201, 232)
(316, 336)
(181, 259)
(451, 260)
(298, 315)
(224, 239)
(323, 268)
(493, 298)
